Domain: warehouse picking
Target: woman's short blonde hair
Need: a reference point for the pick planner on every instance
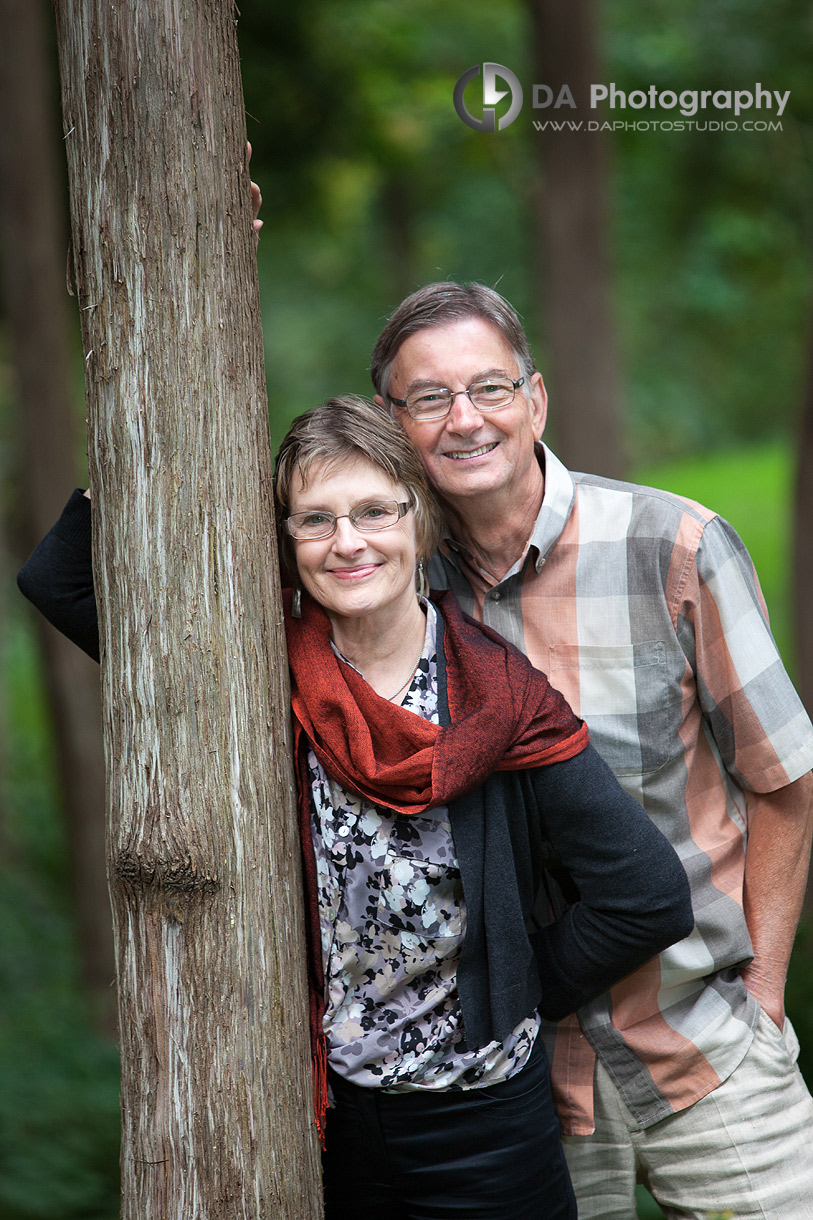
(352, 428)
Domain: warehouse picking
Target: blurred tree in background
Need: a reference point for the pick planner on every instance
(373, 186)
(573, 237)
(48, 429)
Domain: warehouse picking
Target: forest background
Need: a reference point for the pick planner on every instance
(372, 186)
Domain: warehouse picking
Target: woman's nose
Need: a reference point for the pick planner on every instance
(348, 540)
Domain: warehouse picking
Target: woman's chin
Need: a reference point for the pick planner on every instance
(367, 602)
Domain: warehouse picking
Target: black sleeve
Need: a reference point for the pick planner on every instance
(632, 894)
(58, 576)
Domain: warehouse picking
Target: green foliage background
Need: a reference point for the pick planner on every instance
(710, 230)
(373, 186)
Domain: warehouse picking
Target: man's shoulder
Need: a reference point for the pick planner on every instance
(646, 507)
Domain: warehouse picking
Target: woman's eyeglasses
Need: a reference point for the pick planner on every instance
(368, 517)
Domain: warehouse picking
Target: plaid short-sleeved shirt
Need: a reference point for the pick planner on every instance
(644, 610)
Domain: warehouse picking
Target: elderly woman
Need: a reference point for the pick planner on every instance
(470, 862)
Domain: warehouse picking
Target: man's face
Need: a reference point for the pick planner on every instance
(470, 453)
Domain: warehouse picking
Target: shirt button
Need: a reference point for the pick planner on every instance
(344, 831)
(496, 595)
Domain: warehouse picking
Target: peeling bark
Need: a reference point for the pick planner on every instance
(203, 853)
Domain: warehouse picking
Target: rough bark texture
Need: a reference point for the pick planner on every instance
(572, 217)
(203, 850)
(32, 251)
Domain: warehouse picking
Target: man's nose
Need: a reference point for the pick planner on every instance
(463, 415)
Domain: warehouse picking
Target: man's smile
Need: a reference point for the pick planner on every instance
(460, 454)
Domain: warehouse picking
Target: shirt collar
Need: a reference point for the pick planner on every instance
(557, 505)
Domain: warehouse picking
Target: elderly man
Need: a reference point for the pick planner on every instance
(645, 611)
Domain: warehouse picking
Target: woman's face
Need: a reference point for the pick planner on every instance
(355, 574)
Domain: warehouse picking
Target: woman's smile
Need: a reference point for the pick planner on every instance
(354, 573)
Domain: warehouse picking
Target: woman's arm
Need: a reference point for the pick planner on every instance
(58, 576)
(633, 893)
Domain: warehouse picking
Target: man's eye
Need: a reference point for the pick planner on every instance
(431, 396)
(490, 387)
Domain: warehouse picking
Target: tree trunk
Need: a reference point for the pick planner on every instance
(8, 852)
(32, 244)
(203, 844)
(572, 219)
(803, 547)
(399, 215)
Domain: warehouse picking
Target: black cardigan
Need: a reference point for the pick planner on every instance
(564, 837)
(567, 841)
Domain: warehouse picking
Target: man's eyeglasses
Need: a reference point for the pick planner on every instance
(436, 402)
(368, 517)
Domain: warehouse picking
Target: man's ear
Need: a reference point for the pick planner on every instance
(539, 405)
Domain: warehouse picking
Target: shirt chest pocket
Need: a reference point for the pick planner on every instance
(421, 898)
(420, 888)
(631, 696)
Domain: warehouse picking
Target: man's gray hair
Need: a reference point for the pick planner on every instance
(437, 305)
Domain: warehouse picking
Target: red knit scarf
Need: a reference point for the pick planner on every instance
(505, 716)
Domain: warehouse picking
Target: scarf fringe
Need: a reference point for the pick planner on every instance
(320, 1088)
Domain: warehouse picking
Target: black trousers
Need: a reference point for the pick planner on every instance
(480, 1154)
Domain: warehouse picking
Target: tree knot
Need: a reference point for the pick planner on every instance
(177, 875)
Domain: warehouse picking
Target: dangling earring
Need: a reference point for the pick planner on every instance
(423, 585)
(296, 603)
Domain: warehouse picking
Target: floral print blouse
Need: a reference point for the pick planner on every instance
(393, 918)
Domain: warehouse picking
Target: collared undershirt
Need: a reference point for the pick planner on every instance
(393, 919)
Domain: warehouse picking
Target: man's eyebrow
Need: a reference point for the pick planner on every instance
(425, 383)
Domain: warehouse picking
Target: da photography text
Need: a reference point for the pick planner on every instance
(478, 105)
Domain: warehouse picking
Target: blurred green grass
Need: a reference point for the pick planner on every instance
(753, 489)
(647, 1207)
